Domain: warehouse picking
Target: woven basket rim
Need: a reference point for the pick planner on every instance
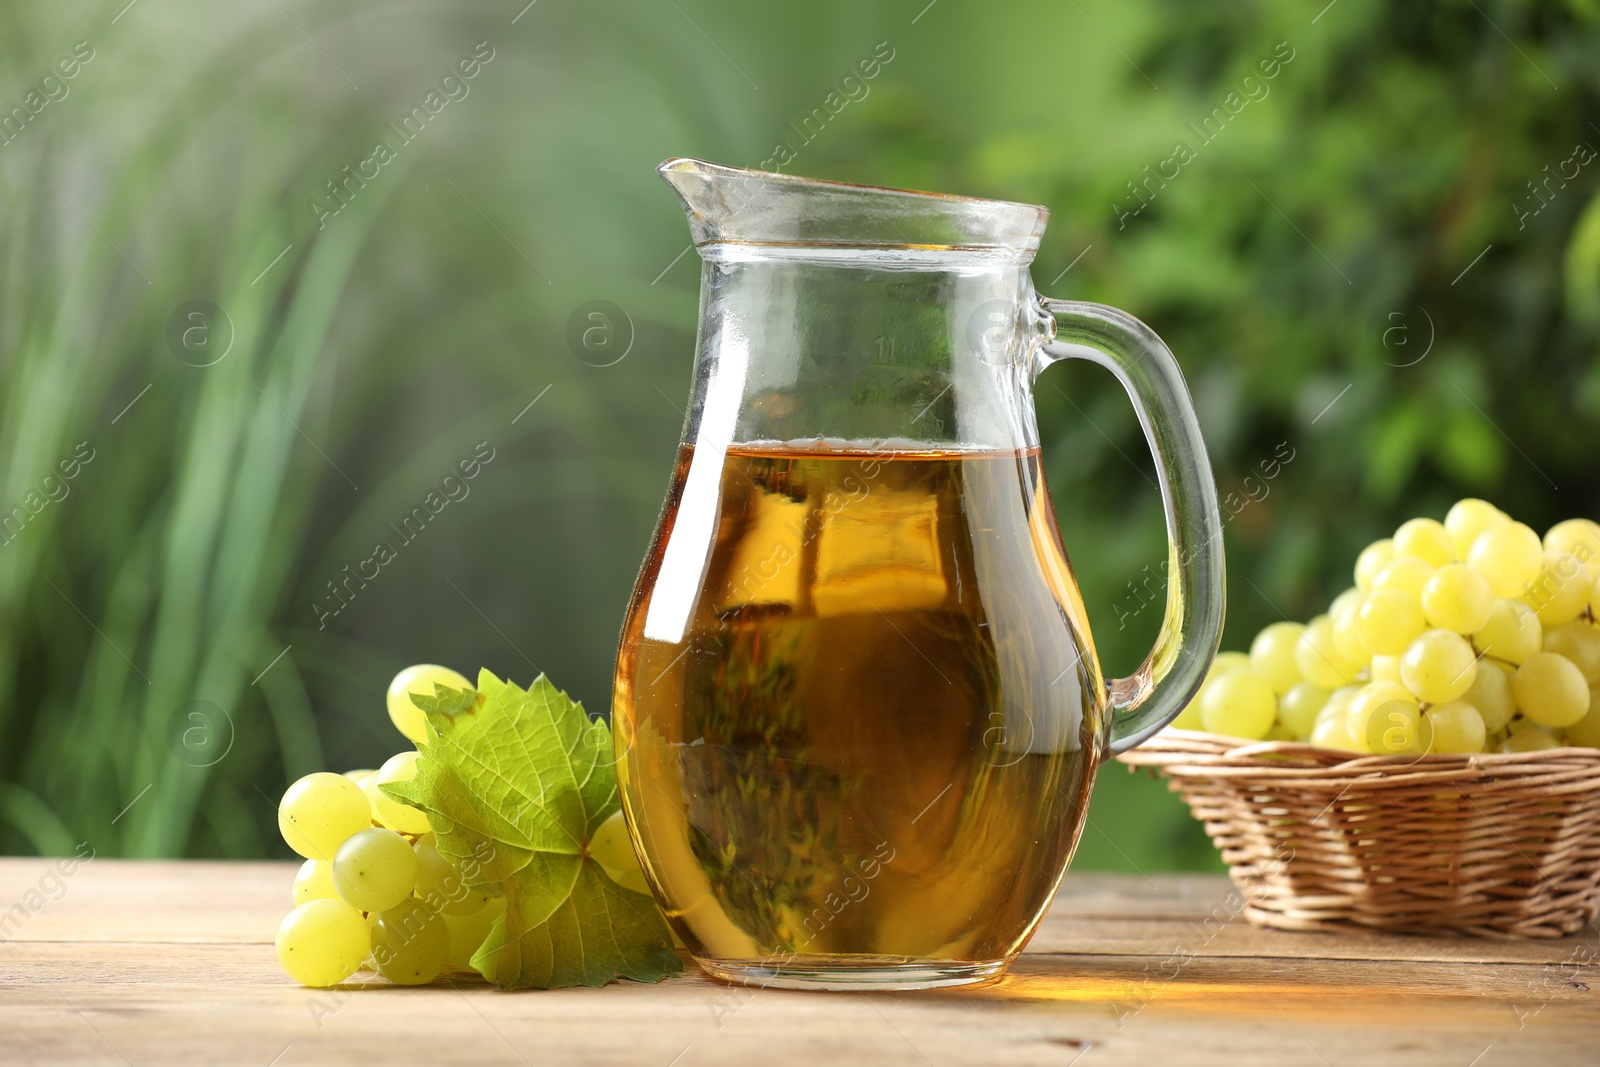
(1189, 753)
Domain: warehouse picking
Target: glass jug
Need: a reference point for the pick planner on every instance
(857, 705)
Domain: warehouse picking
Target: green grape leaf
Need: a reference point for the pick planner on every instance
(448, 701)
(515, 783)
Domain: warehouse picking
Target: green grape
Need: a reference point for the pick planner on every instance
(410, 943)
(475, 902)
(369, 789)
(1347, 640)
(1272, 655)
(1350, 598)
(319, 811)
(1239, 704)
(1319, 660)
(1586, 731)
(1550, 690)
(1578, 641)
(393, 813)
(1438, 667)
(1427, 540)
(1561, 591)
(375, 870)
(1390, 620)
(1363, 708)
(612, 849)
(1373, 559)
(1469, 518)
(1457, 598)
(440, 884)
(437, 881)
(1509, 556)
(314, 881)
(1384, 669)
(610, 845)
(322, 942)
(1490, 693)
(1224, 662)
(1345, 613)
(1575, 537)
(1338, 704)
(357, 776)
(1406, 573)
(467, 932)
(1189, 717)
(1298, 708)
(1456, 727)
(1513, 632)
(1331, 733)
(1221, 663)
(1397, 728)
(1535, 740)
(420, 679)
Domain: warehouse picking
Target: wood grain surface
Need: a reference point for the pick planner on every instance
(172, 964)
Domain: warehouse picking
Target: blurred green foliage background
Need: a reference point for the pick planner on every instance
(1384, 260)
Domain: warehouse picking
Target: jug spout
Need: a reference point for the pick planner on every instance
(732, 205)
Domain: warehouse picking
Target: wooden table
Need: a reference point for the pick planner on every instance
(172, 964)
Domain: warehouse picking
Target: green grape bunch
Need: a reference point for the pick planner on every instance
(1469, 635)
(374, 892)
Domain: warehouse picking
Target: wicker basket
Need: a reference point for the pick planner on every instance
(1486, 845)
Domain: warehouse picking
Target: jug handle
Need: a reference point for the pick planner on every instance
(1172, 673)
